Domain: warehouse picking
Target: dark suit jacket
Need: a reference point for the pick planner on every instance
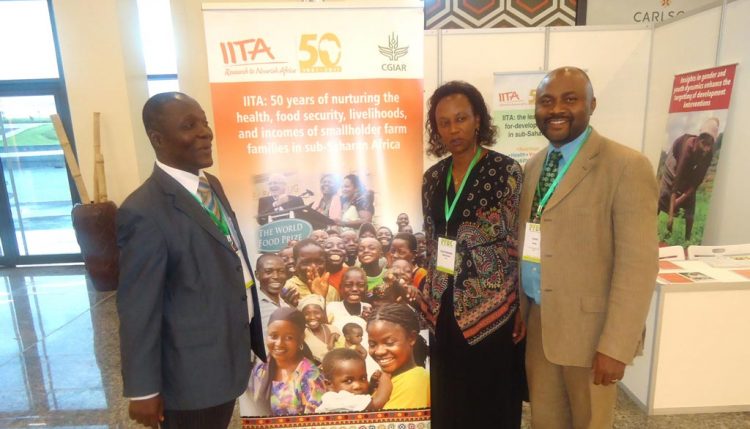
(181, 299)
(265, 206)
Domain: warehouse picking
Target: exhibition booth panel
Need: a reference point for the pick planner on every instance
(631, 67)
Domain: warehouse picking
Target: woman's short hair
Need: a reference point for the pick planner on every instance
(487, 131)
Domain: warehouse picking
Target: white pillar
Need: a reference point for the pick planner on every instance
(104, 70)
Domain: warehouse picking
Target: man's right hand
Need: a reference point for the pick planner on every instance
(148, 412)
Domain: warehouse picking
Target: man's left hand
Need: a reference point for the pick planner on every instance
(607, 370)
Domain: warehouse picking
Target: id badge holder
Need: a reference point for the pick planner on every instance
(532, 243)
(232, 243)
(446, 255)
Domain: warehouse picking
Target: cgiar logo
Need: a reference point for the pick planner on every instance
(393, 52)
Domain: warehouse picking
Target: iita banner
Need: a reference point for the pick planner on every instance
(513, 112)
(695, 129)
(318, 123)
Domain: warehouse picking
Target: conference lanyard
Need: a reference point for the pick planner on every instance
(449, 209)
(553, 186)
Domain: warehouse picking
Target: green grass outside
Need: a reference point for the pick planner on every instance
(26, 120)
(42, 135)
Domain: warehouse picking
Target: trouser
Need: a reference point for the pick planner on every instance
(563, 396)
(216, 417)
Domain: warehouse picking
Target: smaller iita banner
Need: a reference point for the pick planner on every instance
(513, 104)
(698, 113)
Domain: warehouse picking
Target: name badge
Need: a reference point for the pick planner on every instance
(532, 243)
(446, 255)
(232, 243)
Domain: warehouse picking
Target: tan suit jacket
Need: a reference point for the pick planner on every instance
(599, 252)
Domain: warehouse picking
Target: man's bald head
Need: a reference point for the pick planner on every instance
(178, 130)
(570, 71)
(564, 103)
(154, 108)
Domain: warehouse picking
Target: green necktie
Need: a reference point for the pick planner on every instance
(549, 173)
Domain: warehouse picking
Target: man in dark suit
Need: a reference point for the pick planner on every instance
(186, 286)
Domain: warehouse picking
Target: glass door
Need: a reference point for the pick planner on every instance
(36, 194)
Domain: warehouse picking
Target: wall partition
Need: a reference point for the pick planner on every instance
(632, 68)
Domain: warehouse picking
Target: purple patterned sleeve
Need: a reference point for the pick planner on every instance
(312, 388)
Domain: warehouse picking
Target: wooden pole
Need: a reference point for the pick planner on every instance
(97, 152)
(70, 159)
(100, 179)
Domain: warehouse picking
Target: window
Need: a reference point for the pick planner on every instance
(28, 45)
(157, 36)
(36, 192)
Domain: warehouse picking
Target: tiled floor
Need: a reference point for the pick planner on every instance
(59, 359)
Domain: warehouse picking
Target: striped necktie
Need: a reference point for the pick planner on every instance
(207, 197)
(549, 174)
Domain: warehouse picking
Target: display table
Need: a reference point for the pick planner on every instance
(696, 354)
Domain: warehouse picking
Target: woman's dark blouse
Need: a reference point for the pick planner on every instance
(485, 226)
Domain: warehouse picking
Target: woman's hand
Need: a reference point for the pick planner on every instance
(519, 328)
(332, 340)
(412, 293)
(375, 379)
(381, 387)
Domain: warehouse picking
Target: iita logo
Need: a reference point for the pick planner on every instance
(393, 52)
(513, 97)
(319, 54)
(246, 51)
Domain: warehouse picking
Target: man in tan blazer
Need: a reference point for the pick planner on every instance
(589, 282)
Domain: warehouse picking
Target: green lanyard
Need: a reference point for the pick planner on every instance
(559, 177)
(449, 209)
(220, 223)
